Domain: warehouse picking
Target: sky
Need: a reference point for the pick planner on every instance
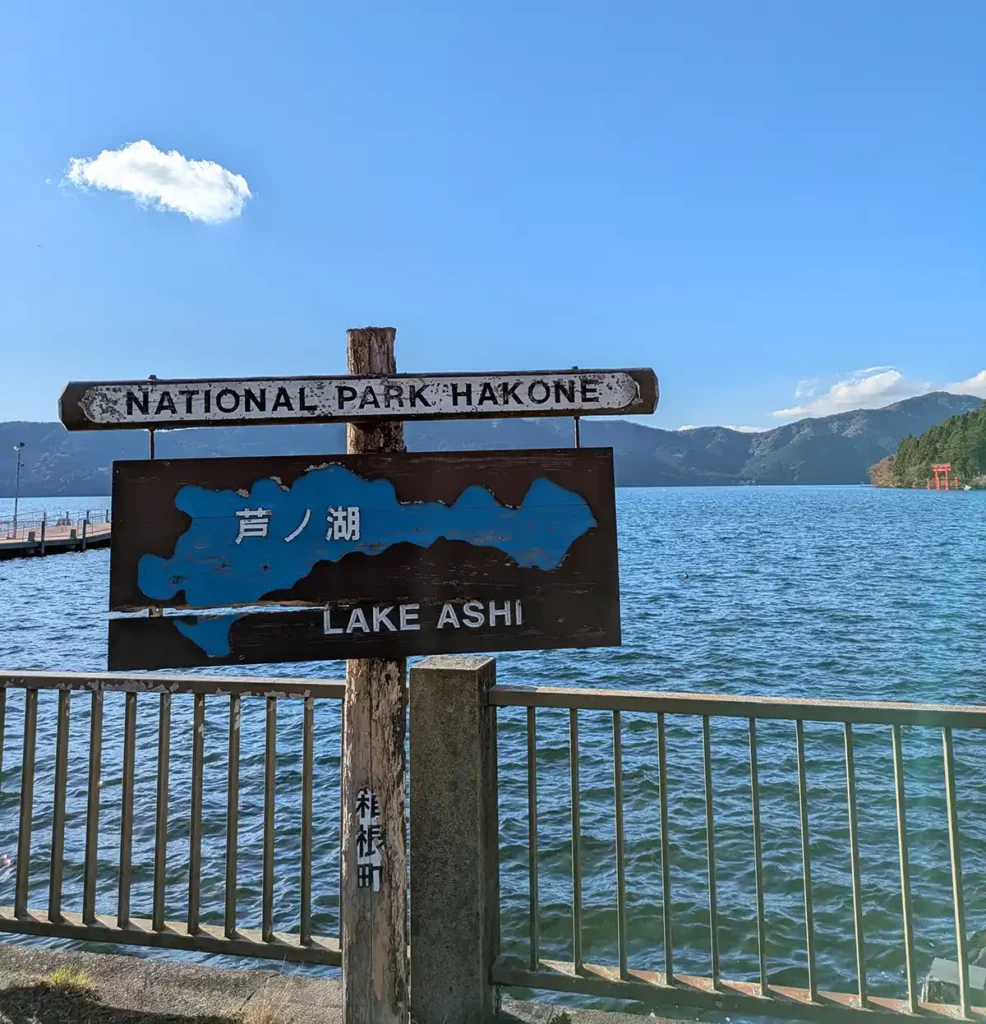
(778, 206)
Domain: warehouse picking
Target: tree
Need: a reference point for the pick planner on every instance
(960, 440)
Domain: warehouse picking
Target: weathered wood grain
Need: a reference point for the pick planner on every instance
(374, 921)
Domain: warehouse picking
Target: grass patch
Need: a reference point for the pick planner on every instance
(264, 1012)
(265, 1009)
(69, 979)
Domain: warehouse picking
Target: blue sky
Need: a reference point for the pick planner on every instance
(778, 206)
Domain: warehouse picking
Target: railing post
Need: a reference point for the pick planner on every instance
(455, 920)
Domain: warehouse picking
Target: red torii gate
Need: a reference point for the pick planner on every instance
(939, 468)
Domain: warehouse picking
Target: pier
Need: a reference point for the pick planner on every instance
(30, 536)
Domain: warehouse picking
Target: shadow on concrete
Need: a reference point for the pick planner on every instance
(43, 1003)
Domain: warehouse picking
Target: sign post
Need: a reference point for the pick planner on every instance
(371, 556)
(373, 900)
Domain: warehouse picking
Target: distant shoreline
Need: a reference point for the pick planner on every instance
(831, 450)
(620, 487)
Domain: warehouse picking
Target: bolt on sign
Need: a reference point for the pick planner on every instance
(297, 558)
(203, 403)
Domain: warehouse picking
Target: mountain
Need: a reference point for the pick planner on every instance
(829, 450)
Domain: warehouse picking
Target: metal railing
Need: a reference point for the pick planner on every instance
(88, 842)
(153, 928)
(57, 523)
(759, 996)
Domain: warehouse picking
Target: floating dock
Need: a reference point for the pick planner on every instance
(54, 537)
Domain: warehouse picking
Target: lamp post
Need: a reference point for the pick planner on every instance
(18, 448)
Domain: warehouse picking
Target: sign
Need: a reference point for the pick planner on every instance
(369, 840)
(362, 556)
(119, 405)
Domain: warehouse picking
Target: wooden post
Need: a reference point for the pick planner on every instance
(85, 527)
(374, 891)
(44, 523)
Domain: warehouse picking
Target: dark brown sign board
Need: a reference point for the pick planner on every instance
(142, 404)
(382, 555)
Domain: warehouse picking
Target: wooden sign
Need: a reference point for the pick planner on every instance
(382, 555)
(117, 405)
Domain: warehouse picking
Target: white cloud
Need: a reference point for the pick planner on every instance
(871, 388)
(973, 386)
(807, 388)
(200, 189)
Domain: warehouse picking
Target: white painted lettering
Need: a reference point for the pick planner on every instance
(518, 613)
(327, 626)
(357, 620)
(380, 618)
(253, 522)
(473, 614)
(409, 616)
(448, 616)
(500, 613)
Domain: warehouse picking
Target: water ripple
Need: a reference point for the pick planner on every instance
(805, 592)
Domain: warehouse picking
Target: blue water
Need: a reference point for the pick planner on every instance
(840, 592)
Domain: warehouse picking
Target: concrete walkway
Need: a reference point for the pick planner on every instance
(138, 990)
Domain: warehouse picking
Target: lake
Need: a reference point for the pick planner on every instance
(844, 592)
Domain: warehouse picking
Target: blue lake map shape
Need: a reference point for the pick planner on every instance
(215, 571)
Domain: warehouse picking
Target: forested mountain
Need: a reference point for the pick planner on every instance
(830, 450)
(960, 440)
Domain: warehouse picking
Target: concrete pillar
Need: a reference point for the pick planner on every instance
(455, 908)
